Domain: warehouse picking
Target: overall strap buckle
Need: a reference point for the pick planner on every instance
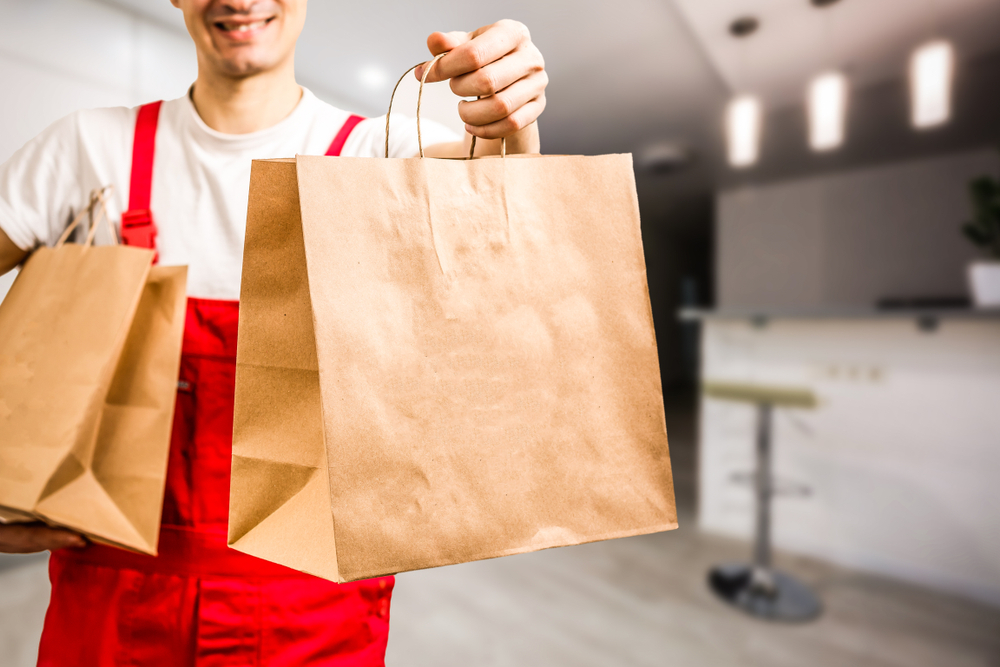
(138, 229)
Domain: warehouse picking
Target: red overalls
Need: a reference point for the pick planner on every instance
(199, 602)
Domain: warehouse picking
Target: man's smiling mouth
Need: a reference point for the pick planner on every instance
(242, 27)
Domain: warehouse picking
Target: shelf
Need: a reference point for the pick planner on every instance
(925, 318)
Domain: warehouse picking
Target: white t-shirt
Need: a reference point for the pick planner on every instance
(201, 177)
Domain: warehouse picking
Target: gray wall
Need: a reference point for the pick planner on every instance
(849, 238)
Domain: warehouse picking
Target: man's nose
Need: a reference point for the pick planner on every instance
(246, 6)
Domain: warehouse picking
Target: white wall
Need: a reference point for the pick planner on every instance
(57, 56)
(849, 238)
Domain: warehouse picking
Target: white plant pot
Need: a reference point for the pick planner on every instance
(984, 280)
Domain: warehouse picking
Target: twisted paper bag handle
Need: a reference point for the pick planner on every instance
(97, 196)
(420, 95)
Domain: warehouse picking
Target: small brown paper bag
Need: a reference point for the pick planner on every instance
(442, 361)
(90, 341)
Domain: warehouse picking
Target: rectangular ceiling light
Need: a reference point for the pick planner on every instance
(930, 82)
(827, 111)
(743, 123)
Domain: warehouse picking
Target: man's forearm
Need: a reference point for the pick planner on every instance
(10, 254)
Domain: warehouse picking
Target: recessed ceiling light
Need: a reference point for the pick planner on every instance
(744, 26)
(931, 70)
(744, 115)
(743, 123)
(827, 110)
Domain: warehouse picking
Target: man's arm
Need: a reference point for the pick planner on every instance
(499, 64)
(10, 254)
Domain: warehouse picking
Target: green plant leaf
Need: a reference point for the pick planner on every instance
(977, 235)
(984, 192)
(984, 230)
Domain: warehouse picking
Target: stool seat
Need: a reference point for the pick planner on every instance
(778, 396)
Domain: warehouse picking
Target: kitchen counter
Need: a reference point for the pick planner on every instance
(923, 317)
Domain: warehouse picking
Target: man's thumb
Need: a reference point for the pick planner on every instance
(440, 42)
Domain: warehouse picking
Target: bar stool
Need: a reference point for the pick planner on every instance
(759, 589)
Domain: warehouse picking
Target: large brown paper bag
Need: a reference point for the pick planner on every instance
(442, 361)
(90, 341)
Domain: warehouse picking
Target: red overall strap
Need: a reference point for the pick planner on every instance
(138, 228)
(345, 131)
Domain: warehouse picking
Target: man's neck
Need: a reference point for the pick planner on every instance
(249, 104)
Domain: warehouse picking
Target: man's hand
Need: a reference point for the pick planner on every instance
(27, 538)
(500, 64)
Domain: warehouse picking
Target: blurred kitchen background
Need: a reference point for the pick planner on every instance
(803, 169)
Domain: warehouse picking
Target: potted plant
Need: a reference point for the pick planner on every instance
(984, 232)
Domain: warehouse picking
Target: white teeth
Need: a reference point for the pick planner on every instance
(243, 27)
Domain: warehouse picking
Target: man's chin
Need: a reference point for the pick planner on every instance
(244, 67)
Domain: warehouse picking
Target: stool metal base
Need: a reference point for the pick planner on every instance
(768, 594)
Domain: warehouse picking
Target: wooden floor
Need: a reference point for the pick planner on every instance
(643, 601)
(638, 601)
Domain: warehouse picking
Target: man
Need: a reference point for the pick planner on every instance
(182, 172)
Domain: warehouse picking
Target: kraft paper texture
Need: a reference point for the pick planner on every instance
(442, 361)
(90, 341)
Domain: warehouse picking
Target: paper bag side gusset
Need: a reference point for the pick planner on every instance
(279, 498)
(130, 461)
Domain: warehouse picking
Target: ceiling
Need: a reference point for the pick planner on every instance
(870, 40)
(634, 75)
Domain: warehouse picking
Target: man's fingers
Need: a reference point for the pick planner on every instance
(58, 539)
(498, 75)
(515, 122)
(500, 65)
(30, 538)
(489, 45)
(504, 103)
(438, 43)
